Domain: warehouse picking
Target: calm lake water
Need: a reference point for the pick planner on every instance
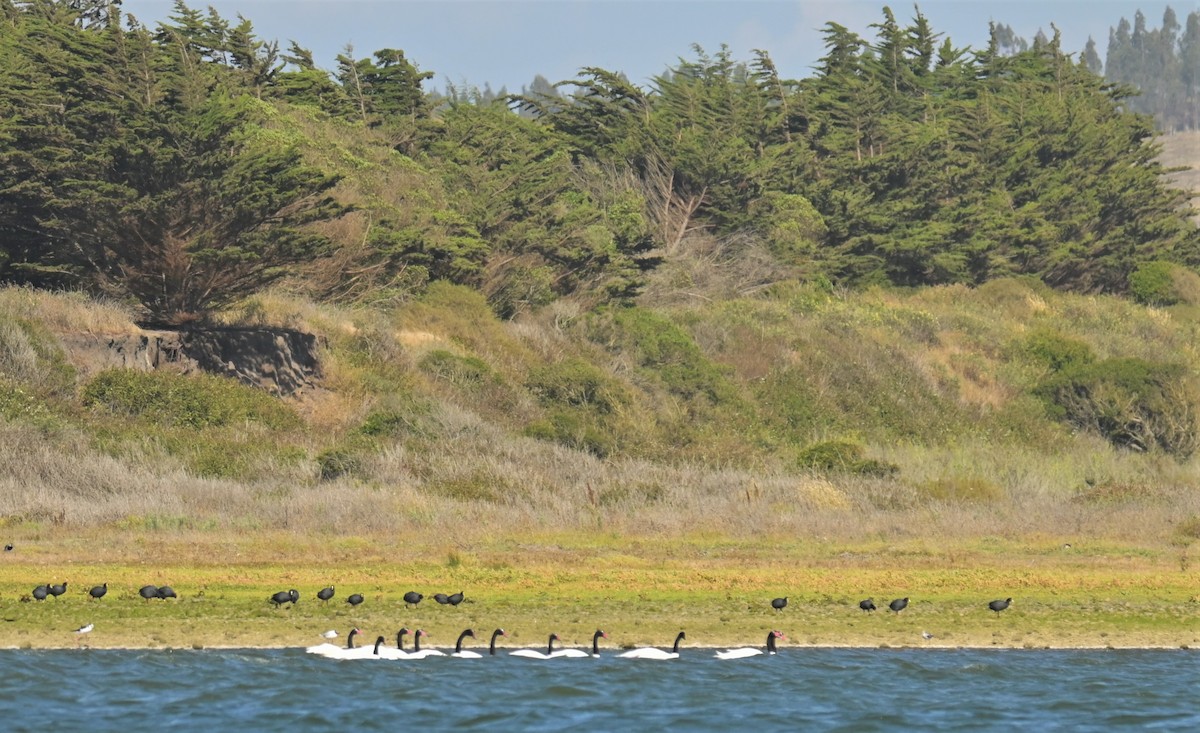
(800, 689)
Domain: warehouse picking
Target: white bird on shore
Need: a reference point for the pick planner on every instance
(926, 635)
(85, 629)
(331, 634)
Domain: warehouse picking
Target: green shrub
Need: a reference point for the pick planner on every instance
(1153, 283)
(842, 456)
(792, 225)
(963, 490)
(196, 401)
(574, 431)
(577, 383)
(462, 371)
(339, 461)
(522, 288)
(1056, 351)
(1131, 402)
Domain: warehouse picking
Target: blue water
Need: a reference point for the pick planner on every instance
(800, 689)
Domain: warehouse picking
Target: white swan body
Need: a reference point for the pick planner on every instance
(580, 653)
(532, 654)
(649, 652)
(751, 651)
(333, 651)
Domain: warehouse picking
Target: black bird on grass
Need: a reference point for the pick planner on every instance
(999, 606)
(8, 547)
(40, 592)
(779, 603)
(148, 591)
(325, 593)
(166, 591)
(867, 605)
(355, 599)
(898, 605)
(456, 598)
(412, 598)
(441, 598)
(58, 590)
(98, 591)
(285, 596)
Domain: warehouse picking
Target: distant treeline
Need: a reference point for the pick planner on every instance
(168, 165)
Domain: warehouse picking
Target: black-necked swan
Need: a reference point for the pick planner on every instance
(534, 654)
(329, 650)
(581, 653)
(649, 652)
(750, 651)
(492, 645)
(418, 652)
(458, 650)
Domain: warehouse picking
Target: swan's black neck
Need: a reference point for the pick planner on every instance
(681, 637)
(350, 638)
(492, 646)
(417, 640)
(771, 643)
(400, 638)
(378, 643)
(596, 642)
(463, 635)
(550, 644)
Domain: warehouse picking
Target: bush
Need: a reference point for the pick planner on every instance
(196, 401)
(462, 371)
(841, 456)
(1056, 351)
(577, 383)
(339, 461)
(574, 431)
(963, 490)
(1153, 283)
(1133, 403)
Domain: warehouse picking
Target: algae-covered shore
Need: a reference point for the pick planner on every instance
(640, 591)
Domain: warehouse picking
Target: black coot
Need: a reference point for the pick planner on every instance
(779, 604)
(441, 598)
(898, 605)
(999, 606)
(148, 591)
(40, 592)
(98, 591)
(58, 590)
(412, 598)
(355, 599)
(285, 596)
(867, 605)
(456, 598)
(325, 593)
(166, 591)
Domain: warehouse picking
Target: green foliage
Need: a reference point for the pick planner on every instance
(1131, 402)
(573, 429)
(461, 371)
(963, 490)
(1058, 352)
(793, 227)
(196, 401)
(577, 383)
(339, 461)
(842, 456)
(1153, 283)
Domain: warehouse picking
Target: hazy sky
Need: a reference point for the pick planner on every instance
(506, 42)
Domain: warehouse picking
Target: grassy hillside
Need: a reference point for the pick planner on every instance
(873, 416)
